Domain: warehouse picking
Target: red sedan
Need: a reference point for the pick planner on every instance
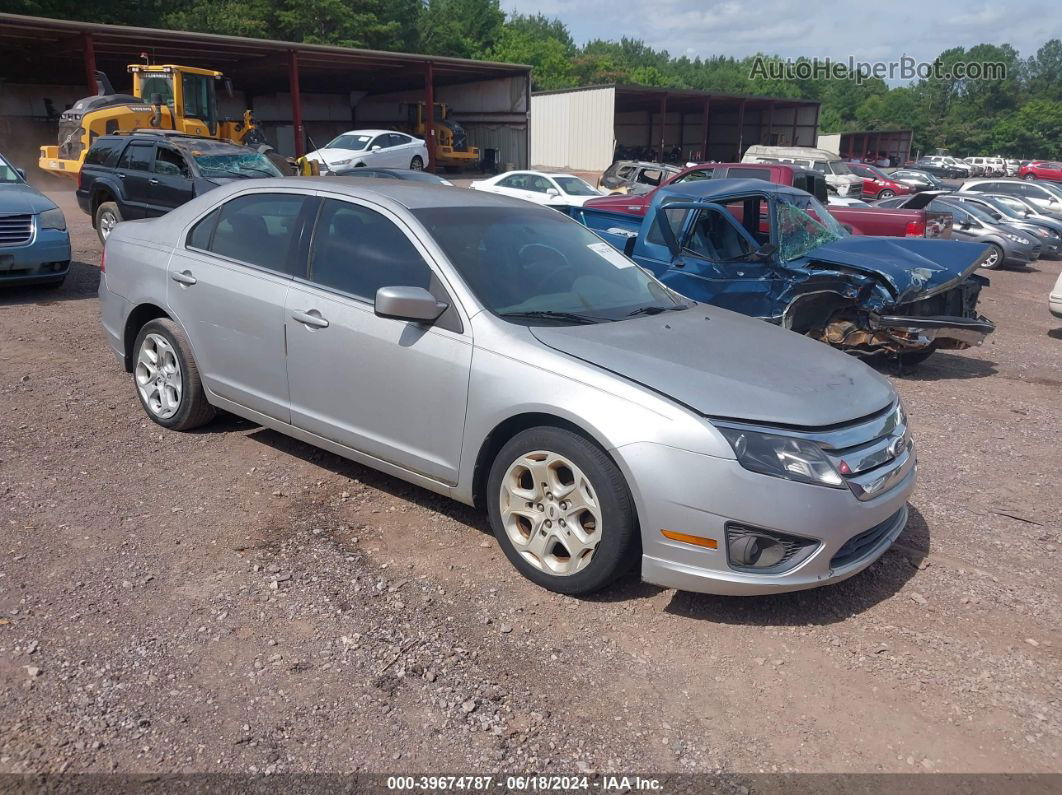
(1041, 169)
(876, 183)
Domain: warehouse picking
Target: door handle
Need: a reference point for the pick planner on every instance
(153, 181)
(121, 175)
(184, 277)
(310, 317)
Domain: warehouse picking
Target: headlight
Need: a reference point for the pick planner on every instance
(53, 219)
(782, 457)
(340, 162)
(1017, 239)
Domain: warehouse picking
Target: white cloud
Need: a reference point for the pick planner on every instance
(865, 29)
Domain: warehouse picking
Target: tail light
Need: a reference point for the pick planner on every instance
(103, 259)
(80, 172)
(915, 229)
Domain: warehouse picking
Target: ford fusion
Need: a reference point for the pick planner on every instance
(502, 354)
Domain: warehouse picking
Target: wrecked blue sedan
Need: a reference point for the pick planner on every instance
(774, 252)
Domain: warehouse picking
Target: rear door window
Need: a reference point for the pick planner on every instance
(357, 251)
(260, 229)
(138, 157)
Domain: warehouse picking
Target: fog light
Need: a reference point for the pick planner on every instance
(766, 551)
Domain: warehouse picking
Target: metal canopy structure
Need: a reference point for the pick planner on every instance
(52, 51)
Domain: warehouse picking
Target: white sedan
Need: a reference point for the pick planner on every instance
(381, 148)
(540, 188)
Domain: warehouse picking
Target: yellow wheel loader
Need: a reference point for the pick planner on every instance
(165, 97)
(451, 148)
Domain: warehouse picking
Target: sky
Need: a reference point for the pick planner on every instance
(869, 30)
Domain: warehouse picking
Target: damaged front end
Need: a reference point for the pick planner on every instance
(945, 320)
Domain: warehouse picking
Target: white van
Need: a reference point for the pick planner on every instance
(838, 176)
(990, 166)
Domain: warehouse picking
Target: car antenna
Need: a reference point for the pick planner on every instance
(320, 153)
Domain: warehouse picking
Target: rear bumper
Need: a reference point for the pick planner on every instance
(1054, 303)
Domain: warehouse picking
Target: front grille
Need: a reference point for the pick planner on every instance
(15, 229)
(859, 546)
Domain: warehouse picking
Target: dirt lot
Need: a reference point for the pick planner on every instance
(233, 600)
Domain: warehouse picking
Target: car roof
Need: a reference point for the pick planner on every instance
(411, 195)
(370, 132)
(716, 188)
(179, 140)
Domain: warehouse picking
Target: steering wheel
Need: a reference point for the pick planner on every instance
(530, 251)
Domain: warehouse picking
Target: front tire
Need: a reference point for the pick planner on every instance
(1029, 177)
(167, 378)
(561, 511)
(416, 164)
(995, 259)
(107, 217)
(886, 194)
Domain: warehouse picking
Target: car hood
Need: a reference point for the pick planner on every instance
(913, 267)
(725, 365)
(22, 198)
(330, 156)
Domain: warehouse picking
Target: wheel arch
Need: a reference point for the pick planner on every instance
(505, 430)
(101, 192)
(137, 319)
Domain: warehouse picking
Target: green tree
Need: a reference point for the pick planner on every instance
(461, 28)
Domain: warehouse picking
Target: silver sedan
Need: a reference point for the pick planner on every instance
(503, 355)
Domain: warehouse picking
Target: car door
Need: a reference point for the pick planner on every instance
(401, 153)
(171, 183)
(134, 171)
(379, 158)
(227, 287)
(716, 258)
(392, 389)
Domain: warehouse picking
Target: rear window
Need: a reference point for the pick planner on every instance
(104, 152)
(749, 173)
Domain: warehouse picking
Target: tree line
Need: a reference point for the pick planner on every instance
(1019, 115)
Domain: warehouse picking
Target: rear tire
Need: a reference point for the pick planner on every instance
(561, 511)
(1029, 177)
(416, 164)
(107, 216)
(167, 379)
(886, 194)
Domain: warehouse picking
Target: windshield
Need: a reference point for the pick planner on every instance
(1052, 189)
(534, 260)
(1005, 209)
(804, 224)
(840, 167)
(980, 213)
(574, 186)
(246, 165)
(354, 143)
(8, 174)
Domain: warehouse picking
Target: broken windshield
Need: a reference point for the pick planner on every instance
(804, 224)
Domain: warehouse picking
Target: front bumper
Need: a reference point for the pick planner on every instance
(1022, 255)
(697, 494)
(45, 258)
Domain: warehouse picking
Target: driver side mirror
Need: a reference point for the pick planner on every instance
(21, 172)
(375, 148)
(962, 224)
(553, 192)
(414, 304)
(766, 251)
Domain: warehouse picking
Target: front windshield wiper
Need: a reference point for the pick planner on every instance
(546, 314)
(656, 310)
(259, 170)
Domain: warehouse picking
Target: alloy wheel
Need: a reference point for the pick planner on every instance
(550, 512)
(108, 221)
(158, 376)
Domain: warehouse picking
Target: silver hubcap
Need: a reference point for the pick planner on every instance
(107, 223)
(992, 258)
(158, 376)
(550, 513)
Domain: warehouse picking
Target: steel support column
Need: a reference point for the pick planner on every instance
(88, 46)
(770, 125)
(704, 151)
(296, 103)
(740, 131)
(429, 115)
(663, 125)
(796, 118)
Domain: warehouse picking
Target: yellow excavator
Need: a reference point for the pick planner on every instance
(165, 97)
(452, 149)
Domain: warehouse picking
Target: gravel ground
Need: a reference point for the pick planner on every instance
(232, 600)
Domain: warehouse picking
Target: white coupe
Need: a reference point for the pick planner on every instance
(380, 148)
(540, 188)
